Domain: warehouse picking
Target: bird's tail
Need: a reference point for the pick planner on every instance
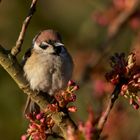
(31, 107)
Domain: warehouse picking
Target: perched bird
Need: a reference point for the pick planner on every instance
(47, 66)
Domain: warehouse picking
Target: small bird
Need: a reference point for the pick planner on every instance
(47, 66)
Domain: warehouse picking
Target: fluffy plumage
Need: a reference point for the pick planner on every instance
(48, 66)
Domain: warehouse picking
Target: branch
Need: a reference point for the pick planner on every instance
(105, 114)
(10, 64)
(16, 49)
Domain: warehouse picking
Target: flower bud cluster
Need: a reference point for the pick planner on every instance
(41, 123)
(126, 72)
(38, 126)
(64, 97)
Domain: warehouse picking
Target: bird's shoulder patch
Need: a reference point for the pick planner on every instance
(26, 56)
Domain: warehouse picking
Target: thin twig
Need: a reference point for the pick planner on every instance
(16, 49)
(105, 114)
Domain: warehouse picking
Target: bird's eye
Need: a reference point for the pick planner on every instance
(43, 45)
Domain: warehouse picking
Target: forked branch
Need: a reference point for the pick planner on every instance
(16, 49)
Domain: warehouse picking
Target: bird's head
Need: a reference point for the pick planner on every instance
(48, 42)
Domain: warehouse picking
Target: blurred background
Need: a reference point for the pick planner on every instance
(92, 30)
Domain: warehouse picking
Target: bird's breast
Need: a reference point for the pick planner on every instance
(47, 73)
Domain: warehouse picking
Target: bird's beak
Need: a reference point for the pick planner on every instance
(57, 47)
(56, 44)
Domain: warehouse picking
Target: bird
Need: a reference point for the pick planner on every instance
(47, 66)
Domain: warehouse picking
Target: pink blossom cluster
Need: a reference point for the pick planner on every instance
(38, 126)
(41, 123)
(127, 73)
(64, 97)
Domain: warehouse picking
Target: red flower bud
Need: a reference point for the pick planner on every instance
(75, 87)
(131, 101)
(42, 120)
(33, 126)
(138, 99)
(71, 98)
(72, 109)
(71, 83)
(136, 106)
(39, 116)
(23, 137)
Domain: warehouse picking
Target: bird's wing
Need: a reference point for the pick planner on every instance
(26, 56)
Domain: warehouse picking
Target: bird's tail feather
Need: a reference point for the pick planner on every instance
(31, 107)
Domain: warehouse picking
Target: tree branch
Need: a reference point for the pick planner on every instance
(105, 114)
(10, 64)
(16, 49)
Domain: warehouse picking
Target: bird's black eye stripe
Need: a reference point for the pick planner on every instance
(43, 45)
(51, 42)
